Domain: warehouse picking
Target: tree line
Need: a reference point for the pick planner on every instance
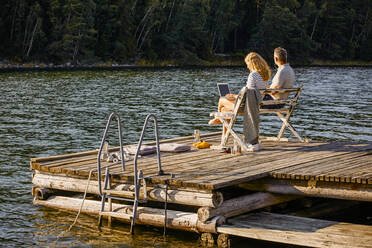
(184, 31)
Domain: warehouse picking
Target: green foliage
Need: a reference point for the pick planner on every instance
(281, 27)
(186, 31)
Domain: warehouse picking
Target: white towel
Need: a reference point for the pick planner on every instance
(174, 147)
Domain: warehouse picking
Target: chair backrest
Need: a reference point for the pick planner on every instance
(289, 103)
(239, 102)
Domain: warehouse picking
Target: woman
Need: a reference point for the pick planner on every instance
(257, 79)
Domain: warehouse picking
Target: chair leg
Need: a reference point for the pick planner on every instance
(225, 132)
(282, 129)
(287, 124)
(239, 140)
(295, 133)
(229, 131)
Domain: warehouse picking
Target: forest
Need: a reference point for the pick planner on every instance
(183, 32)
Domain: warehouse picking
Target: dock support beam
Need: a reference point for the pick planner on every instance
(190, 198)
(243, 204)
(312, 188)
(145, 215)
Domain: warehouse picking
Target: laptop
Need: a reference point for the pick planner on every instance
(223, 89)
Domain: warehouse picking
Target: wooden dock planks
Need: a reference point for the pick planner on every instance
(212, 169)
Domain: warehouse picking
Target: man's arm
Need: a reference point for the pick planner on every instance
(278, 80)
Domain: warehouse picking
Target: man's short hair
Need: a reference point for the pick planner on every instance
(281, 54)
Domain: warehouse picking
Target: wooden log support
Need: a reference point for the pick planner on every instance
(312, 188)
(223, 241)
(243, 204)
(191, 198)
(228, 241)
(41, 193)
(147, 216)
(207, 240)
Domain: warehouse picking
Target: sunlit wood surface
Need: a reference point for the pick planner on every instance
(209, 169)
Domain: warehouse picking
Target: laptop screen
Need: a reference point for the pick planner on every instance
(223, 89)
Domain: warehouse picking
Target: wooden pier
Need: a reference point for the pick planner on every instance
(212, 192)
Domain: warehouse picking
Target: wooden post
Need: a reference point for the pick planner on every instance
(243, 204)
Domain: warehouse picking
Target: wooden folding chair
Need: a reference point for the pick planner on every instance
(283, 113)
(228, 120)
(286, 111)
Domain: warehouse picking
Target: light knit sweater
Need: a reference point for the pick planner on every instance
(255, 81)
(284, 78)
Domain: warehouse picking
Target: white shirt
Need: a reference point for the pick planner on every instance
(284, 77)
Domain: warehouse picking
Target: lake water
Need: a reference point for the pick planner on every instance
(49, 113)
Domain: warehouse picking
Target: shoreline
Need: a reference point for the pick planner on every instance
(11, 67)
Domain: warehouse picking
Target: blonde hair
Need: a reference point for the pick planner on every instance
(256, 63)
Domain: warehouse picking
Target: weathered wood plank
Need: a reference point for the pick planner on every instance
(311, 172)
(265, 168)
(317, 164)
(208, 169)
(299, 231)
(238, 162)
(95, 152)
(326, 168)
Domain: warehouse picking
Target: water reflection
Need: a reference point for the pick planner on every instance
(52, 233)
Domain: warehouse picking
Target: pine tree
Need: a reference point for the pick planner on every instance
(79, 36)
(334, 31)
(281, 27)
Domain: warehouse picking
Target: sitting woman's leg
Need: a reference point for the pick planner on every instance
(224, 105)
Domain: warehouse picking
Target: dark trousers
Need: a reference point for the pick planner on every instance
(272, 106)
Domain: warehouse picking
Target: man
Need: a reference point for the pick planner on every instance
(284, 78)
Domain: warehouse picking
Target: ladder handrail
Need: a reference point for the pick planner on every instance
(136, 174)
(160, 171)
(112, 115)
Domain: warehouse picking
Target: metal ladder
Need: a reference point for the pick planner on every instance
(137, 175)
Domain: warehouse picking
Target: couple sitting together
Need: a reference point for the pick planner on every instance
(259, 75)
